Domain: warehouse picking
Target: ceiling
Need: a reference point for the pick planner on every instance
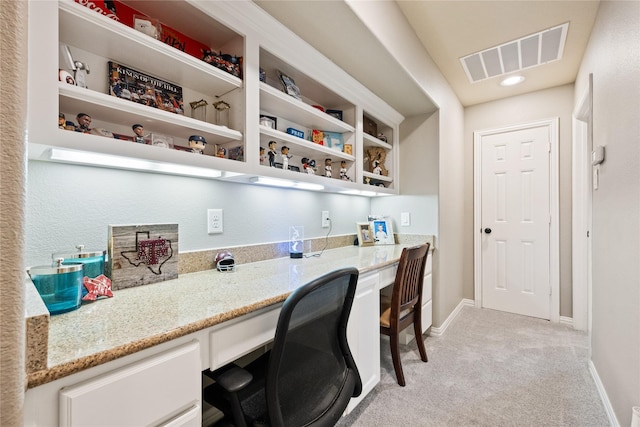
(448, 30)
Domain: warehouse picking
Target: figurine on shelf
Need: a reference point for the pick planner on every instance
(262, 155)
(138, 129)
(222, 152)
(285, 157)
(197, 143)
(222, 113)
(309, 166)
(62, 121)
(84, 121)
(382, 137)
(272, 154)
(343, 171)
(375, 158)
(377, 170)
(327, 168)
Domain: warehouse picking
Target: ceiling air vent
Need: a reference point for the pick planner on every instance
(529, 51)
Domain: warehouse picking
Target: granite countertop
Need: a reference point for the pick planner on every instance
(144, 316)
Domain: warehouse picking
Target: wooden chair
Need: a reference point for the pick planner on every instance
(405, 306)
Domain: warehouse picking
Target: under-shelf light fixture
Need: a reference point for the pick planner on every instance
(360, 193)
(121, 162)
(285, 183)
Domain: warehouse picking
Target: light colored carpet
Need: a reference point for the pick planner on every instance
(489, 368)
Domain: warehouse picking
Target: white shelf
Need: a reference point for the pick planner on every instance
(110, 109)
(302, 147)
(372, 141)
(88, 30)
(378, 177)
(224, 26)
(278, 103)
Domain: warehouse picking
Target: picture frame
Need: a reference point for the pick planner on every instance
(382, 231)
(289, 86)
(365, 237)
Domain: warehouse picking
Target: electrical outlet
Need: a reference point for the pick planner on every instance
(214, 221)
(325, 219)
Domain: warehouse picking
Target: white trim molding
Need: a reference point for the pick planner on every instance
(439, 331)
(554, 207)
(613, 420)
(566, 321)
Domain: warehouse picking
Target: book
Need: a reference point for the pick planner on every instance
(132, 85)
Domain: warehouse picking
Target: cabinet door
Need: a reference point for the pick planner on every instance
(363, 333)
(163, 389)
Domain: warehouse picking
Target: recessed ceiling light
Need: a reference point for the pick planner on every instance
(512, 81)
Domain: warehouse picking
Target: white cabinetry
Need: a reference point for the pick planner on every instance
(363, 331)
(387, 277)
(158, 386)
(224, 26)
(161, 390)
(233, 339)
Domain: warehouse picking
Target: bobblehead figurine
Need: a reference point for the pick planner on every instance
(261, 155)
(138, 129)
(285, 157)
(272, 154)
(197, 143)
(327, 168)
(84, 121)
(343, 171)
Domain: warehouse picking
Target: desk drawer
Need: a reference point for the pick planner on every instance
(151, 391)
(387, 276)
(241, 336)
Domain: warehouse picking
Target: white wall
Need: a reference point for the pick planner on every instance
(389, 25)
(544, 104)
(613, 56)
(418, 178)
(69, 205)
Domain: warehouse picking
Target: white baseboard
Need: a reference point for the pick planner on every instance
(566, 321)
(613, 420)
(438, 331)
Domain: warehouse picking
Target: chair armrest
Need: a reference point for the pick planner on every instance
(234, 379)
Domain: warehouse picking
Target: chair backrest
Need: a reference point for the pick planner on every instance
(407, 288)
(312, 375)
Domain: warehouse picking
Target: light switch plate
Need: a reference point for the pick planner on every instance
(405, 219)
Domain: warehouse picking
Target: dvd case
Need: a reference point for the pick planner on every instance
(132, 85)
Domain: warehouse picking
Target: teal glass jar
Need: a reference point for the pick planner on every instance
(93, 261)
(60, 286)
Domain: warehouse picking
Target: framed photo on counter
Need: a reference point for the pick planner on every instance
(365, 238)
(382, 230)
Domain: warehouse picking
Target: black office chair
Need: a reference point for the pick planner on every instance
(309, 376)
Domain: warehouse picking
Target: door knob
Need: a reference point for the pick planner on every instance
(487, 230)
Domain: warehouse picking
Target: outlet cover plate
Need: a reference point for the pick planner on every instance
(325, 219)
(214, 221)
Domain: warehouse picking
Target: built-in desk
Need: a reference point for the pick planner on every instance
(136, 343)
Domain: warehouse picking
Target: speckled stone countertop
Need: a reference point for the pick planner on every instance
(141, 317)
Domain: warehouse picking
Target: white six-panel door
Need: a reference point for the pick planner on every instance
(515, 221)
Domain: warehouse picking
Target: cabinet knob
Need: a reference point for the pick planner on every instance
(487, 230)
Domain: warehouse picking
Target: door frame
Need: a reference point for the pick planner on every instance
(581, 209)
(554, 206)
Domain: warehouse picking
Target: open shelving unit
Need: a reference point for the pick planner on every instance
(96, 39)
